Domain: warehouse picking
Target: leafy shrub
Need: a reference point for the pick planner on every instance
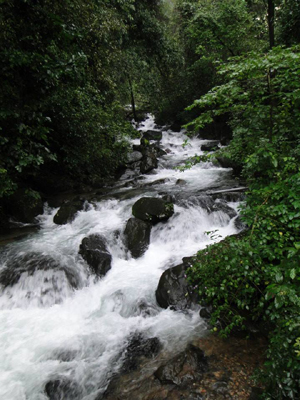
(257, 276)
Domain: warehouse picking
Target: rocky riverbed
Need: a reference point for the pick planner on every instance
(94, 303)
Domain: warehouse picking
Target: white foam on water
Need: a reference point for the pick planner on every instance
(48, 329)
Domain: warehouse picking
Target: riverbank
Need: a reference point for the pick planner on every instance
(77, 326)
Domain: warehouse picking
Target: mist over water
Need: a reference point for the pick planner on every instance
(60, 321)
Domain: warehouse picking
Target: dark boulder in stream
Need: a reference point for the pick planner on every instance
(221, 205)
(62, 389)
(173, 289)
(137, 236)
(134, 157)
(149, 160)
(94, 251)
(152, 209)
(183, 369)
(239, 224)
(152, 135)
(139, 346)
(68, 211)
(32, 263)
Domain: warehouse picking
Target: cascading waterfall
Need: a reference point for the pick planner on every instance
(58, 321)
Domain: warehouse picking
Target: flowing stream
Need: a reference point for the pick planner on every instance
(49, 330)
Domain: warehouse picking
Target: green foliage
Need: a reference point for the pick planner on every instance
(289, 22)
(201, 32)
(58, 96)
(256, 276)
(261, 93)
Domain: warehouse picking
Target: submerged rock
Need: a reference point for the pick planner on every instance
(152, 135)
(181, 182)
(184, 368)
(139, 346)
(30, 263)
(67, 211)
(173, 289)
(152, 209)
(221, 205)
(137, 235)
(62, 389)
(94, 251)
(186, 200)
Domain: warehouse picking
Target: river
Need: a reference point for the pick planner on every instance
(48, 329)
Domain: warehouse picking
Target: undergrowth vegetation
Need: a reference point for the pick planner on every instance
(255, 276)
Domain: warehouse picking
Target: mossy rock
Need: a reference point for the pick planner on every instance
(152, 209)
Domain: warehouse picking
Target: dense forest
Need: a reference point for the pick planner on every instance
(75, 73)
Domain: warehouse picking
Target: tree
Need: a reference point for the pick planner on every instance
(58, 96)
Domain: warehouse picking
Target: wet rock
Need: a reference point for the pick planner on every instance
(230, 196)
(226, 162)
(220, 387)
(137, 235)
(94, 251)
(161, 152)
(168, 198)
(183, 369)
(145, 309)
(205, 312)
(173, 289)
(175, 127)
(239, 224)
(152, 209)
(212, 146)
(30, 263)
(203, 201)
(68, 210)
(181, 182)
(138, 147)
(221, 205)
(157, 182)
(152, 135)
(62, 389)
(135, 166)
(134, 157)
(25, 205)
(149, 161)
(64, 355)
(139, 346)
(225, 140)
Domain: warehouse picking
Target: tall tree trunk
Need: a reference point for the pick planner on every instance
(132, 98)
(271, 15)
